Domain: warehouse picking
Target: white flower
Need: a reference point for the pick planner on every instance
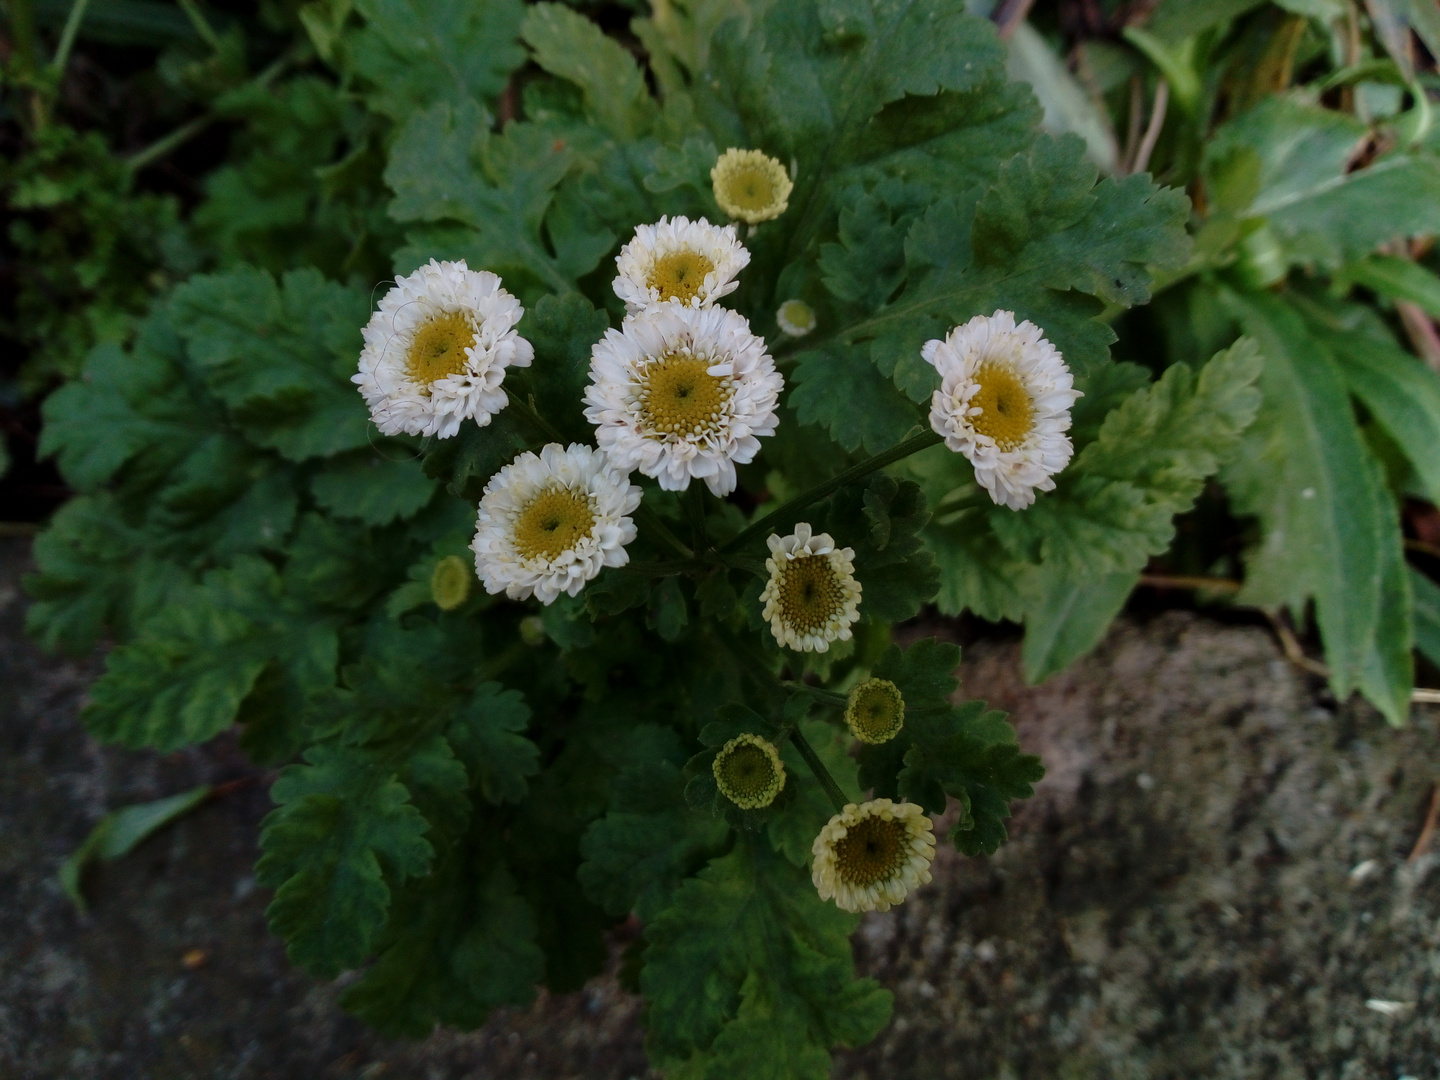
(549, 522)
(796, 318)
(812, 597)
(437, 349)
(681, 393)
(692, 262)
(1004, 402)
(871, 855)
(750, 185)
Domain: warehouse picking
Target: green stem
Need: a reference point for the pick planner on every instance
(22, 33)
(201, 24)
(522, 403)
(786, 511)
(647, 517)
(832, 696)
(832, 789)
(143, 159)
(67, 37)
(188, 130)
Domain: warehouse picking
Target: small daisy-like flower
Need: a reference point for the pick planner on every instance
(751, 185)
(437, 348)
(1004, 402)
(549, 522)
(875, 711)
(796, 318)
(681, 393)
(812, 597)
(450, 582)
(871, 855)
(691, 262)
(749, 772)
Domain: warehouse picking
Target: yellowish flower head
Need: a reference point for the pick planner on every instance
(875, 712)
(796, 318)
(450, 582)
(871, 855)
(749, 772)
(751, 185)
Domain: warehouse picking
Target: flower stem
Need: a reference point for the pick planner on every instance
(832, 789)
(67, 37)
(786, 511)
(647, 517)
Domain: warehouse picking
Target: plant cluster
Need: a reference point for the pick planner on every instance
(559, 582)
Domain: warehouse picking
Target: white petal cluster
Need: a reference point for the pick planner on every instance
(812, 597)
(437, 348)
(682, 393)
(1004, 402)
(871, 855)
(549, 522)
(690, 262)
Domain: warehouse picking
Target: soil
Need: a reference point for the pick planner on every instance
(1214, 879)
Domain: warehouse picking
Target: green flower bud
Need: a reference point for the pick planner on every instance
(749, 772)
(450, 582)
(875, 712)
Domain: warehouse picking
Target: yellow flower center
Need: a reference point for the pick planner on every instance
(1006, 411)
(679, 275)
(450, 582)
(554, 522)
(439, 347)
(680, 397)
(870, 851)
(876, 711)
(748, 772)
(750, 188)
(810, 594)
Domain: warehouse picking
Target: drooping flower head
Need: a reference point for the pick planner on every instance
(875, 711)
(1004, 402)
(871, 855)
(450, 582)
(691, 262)
(750, 185)
(749, 772)
(681, 393)
(796, 318)
(549, 522)
(437, 348)
(812, 597)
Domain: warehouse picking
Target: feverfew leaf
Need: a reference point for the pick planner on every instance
(414, 53)
(183, 678)
(571, 46)
(372, 487)
(344, 824)
(280, 357)
(459, 943)
(647, 843)
(1427, 615)
(485, 733)
(752, 913)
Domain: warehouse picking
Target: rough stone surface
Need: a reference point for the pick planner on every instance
(1213, 880)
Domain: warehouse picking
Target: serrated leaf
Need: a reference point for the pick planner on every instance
(279, 356)
(1068, 615)
(571, 46)
(344, 824)
(94, 575)
(924, 673)
(414, 53)
(751, 912)
(184, 677)
(1387, 672)
(647, 843)
(1296, 472)
(840, 390)
(458, 944)
(372, 487)
(485, 733)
